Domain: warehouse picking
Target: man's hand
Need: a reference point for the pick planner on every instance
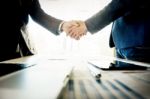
(75, 29)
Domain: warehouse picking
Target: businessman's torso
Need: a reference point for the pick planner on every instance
(14, 14)
(132, 29)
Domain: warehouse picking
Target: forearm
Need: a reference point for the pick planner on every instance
(49, 22)
(114, 10)
(38, 15)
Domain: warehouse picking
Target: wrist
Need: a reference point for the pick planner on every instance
(60, 29)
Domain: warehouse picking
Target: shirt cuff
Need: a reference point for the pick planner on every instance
(60, 27)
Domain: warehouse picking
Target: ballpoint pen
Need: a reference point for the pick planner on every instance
(94, 71)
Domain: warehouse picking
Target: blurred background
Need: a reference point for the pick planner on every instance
(89, 46)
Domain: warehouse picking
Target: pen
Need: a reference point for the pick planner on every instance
(94, 71)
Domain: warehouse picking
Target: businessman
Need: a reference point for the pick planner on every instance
(130, 30)
(13, 20)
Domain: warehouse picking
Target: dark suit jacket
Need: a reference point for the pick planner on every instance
(14, 15)
(131, 22)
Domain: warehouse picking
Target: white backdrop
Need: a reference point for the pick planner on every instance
(88, 46)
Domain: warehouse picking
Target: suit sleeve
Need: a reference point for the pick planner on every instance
(39, 16)
(114, 10)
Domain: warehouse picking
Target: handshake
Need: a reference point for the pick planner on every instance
(74, 29)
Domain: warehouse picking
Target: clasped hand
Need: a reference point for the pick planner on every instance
(74, 29)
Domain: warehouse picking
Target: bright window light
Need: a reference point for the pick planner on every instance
(48, 44)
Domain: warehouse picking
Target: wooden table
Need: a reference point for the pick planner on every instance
(47, 80)
(113, 84)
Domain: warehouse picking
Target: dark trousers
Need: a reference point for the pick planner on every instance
(136, 54)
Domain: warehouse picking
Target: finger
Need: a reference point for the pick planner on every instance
(73, 35)
(72, 31)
